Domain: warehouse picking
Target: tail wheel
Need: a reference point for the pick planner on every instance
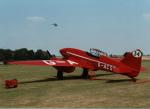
(60, 75)
(85, 74)
(133, 79)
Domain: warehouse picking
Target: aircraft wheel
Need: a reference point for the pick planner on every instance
(133, 79)
(85, 74)
(60, 75)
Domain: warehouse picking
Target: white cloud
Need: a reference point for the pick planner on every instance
(146, 16)
(36, 18)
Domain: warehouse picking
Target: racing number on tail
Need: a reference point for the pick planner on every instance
(137, 53)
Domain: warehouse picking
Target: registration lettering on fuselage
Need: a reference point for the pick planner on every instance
(105, 66)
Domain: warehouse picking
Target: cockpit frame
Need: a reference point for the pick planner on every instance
(97, 53)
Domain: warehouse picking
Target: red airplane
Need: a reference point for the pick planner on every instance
(129, 64)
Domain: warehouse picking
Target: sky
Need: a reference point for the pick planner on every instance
(114, 26)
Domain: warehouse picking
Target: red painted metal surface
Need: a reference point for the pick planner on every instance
(129, 65)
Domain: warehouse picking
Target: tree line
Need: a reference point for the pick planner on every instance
(23, 54)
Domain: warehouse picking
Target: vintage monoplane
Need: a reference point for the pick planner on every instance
(129, 64)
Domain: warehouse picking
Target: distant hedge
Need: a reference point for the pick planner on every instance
(23, 54)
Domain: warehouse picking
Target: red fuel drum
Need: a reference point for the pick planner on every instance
(11, 83)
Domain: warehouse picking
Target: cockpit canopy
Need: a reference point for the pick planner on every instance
(97, 53)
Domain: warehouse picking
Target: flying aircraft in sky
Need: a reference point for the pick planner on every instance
(55, 24)
(128, 65)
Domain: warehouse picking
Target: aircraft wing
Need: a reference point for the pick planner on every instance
(53, 62)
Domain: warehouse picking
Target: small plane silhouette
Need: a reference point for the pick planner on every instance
(55, 24)
(129, 64)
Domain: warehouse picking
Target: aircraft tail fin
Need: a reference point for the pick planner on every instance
(133, 60)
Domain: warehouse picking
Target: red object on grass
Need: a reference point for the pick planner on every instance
(11, 83)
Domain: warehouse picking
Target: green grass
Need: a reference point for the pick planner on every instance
(39, 88)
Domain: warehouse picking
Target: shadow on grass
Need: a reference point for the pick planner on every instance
(37, 81)
(119, 81)
(77, 78)
(107, 74)
(108, 80)
(65, 78)
(51, 79)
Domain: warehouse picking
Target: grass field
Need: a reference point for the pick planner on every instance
(39, 88)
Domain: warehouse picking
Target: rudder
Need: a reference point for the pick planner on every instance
(133, 60)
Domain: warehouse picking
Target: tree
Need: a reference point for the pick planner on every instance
(41, 54)
(8, 54)
(1, 54)
(21, 54)
(30, 54)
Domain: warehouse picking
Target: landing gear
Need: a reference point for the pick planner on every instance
(133, 79)
(85, 74)
(60, 75)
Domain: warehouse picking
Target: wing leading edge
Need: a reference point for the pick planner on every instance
(60, 62)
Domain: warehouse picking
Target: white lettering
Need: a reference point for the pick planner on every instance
(49, 62)
(105, 66)
(71, 62)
